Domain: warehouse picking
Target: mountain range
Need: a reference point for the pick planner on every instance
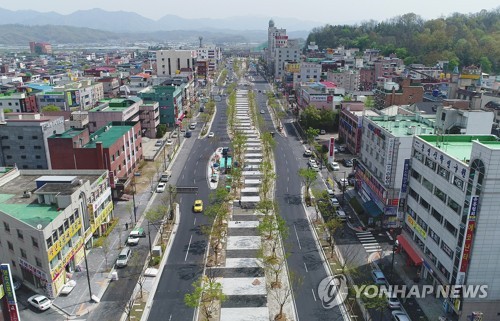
(122, 21)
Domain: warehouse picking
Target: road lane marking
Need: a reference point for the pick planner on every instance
(189, 245)
(306, 267)
(297, 235)
(314, 295)
(194, 221)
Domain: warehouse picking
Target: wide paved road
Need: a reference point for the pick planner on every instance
(185, 262)
(304, 259)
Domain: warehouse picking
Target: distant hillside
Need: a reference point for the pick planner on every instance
(461, 39)
(122, 21)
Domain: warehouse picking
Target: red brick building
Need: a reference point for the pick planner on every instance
(116, 147)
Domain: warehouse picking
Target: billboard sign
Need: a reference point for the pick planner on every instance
(331, 150)
(10, 294)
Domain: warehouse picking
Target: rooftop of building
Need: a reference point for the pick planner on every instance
(14, 201)
(109, 134)
(70, 133)
(116, 104)
(404, 126)
(460, 146)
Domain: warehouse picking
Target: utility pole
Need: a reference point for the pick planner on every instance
(133, 199)
(87, 269)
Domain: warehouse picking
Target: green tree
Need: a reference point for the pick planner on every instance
(308, 176)
(207, 293)
(50, 108)
(378, 303)
(485, 64)
(161, 130)
(311, 134)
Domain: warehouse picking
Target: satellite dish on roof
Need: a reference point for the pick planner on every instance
(39, 226)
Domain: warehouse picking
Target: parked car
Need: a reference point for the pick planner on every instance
(341, 215)
(135, 235)
(161, 187)
(335, 166)
(192, 126)
(175, 134)
(123, 257)
(378, 277)
(312, 162)
(262, 111)
(393, 302)
(334, 201)
(308, 153)
(159, 143)
(330, 191)
(40, 302)
(169, 142)
(322, 132)
(188, 134)
(314, 166)
(347, 162)
(399, 315)
(211, 134)
(343, 182)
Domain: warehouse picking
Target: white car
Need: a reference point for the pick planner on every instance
(312, 162)
(334, 201)
(399, 315)
(133, 239)
(169, 142)
(315, 167)
(40, 302)
(211, 134)
(330, 191)
(308, 153)
(262, 111)
(341, 215)
(344, 182)
(161, 188)
(335, 166)
(175, 135)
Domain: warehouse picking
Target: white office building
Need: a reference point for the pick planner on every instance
(170, 62)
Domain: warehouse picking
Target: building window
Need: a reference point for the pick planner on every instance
(20, 137)
(34, 137)
(49, 242)
(20, 234)
(454, 205)
(434, 236)
(23, 253)
(21, 147)
(446, 249)
(10, 246)
(437, 216)
(450, 227)
(34, 241)
(419, 156)
(61, 230)
(38, 262)
(440, 194)
(443, 172)
(23, 156)
(55, 237)
(13, 263)
(424, 204)
(415, 175)
(430, 163)
(413, 194)
(6, 227)
(427, 184)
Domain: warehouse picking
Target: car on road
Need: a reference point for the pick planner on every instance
(135, 235)
(314, 167)
(188, 134)
(312, 162)
(308, 153)
(322, 132)
(334, 201)
(198, 206)
(330, 191)
(175, 135)
(40, 302)
(262, 111)
(399, 315)
(343, 182)
(192, 126)
(123, 257)
(335, 166)
(161, 188)
(159, 143)
(378, 277)
(169, 142)
(341, 215)
(211, 134)
(132, 240)
(393, 302)
(347, 162)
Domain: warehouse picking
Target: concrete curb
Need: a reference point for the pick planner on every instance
(149, 303)
(209, 124)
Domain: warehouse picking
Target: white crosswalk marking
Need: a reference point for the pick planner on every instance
(369, 242)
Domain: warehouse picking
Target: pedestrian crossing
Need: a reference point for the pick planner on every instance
(369, 242)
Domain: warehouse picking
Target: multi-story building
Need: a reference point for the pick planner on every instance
(23, 139)
(351, 124)
(276, 38)
(211, 54)
(40, 48)
(111, 86)
(81, 95)
(170, 62)
(169, 99)
(347, 79)
(18, 102)
(117, 147)
(451, 218)
(283, 55)
(393, 94)
(150, 118)
(139, 82)
(48, 219)
(309, 72)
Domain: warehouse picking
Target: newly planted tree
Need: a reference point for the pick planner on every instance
(308, 176)
(207, 295)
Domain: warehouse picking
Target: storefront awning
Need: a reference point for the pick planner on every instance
(372, 209)
(414, 256)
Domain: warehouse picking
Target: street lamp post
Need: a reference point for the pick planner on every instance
(343, 189)
(133, 199)
(87, 269)
(394, 249)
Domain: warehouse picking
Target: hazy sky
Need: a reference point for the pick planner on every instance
(324, 11)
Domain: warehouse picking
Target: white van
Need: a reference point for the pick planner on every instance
(165, 176)
(123, 257)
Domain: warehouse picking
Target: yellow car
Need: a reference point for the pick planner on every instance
(198, 206)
